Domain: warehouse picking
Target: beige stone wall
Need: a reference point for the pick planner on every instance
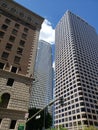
(19, 93)
(5, 124)
(18, 103)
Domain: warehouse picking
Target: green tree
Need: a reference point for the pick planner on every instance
(38, 123)
(62, 128)
(48, 120)
(90, 128)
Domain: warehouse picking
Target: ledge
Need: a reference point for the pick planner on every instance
(11, 113)
(17, 77)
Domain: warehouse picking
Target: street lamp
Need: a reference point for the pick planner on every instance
(37, 117)
(52, 102)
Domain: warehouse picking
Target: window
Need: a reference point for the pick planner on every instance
(4, 27)
(21, 14)
(81, 103)
(1, 34)
(12, 39)
(19, 50)
(82, 109)
(22, 43)
(84, 116)
(17, 25)
(86, 122)
(79, 122)
(17, 59)
(26, 30)
(7, 21)
(78, 116)
(91, 122)
(4, 5)
(0, 121)
(14, 69)
(29, 18)
(5, 55)
(4, 100)
(8, 46)
(24, 36)
(13, 123)
(1, 65)
(14, 31)
(96, 123)
(10, 82)
(13, 10)
(74, 117)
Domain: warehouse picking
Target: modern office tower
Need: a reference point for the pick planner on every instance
(19, 33)
(42, 86)
(76, 73)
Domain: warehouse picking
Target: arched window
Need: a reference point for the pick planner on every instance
(4, 100)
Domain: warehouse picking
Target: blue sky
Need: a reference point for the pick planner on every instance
(53, 10)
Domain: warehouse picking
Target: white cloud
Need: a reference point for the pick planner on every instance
(47, 33)
(53, 65)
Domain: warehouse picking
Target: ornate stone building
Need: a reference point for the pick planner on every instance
(19, 33)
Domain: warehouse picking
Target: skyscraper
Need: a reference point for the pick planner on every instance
(42, 86)
(19, 33)
(76, 73)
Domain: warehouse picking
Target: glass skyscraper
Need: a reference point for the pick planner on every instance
(42, 86)
(76, 73)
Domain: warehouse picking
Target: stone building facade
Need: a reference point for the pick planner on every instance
(19, 33)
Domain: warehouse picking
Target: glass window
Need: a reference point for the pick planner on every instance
(12, 39)
(21, 14)
(82, 109)
(24, 36)
(13, 123)
(1, 65)
(19, 50)
(13, 10)
(22, 43)
(29, 18)
(8, 46)
(14, 69)
(0, 121)
(14, 31)
(10, 82)
(5, 55)
(4, 5)
(4, 100)
(17, 59)
(1, 34)
(4, 27)
(26, 30)
(7, 21)
(17, 25)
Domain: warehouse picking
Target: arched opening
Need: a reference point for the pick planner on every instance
(4, 100)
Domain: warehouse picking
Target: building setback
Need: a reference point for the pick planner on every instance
(76, 73)
(41, 93)
(19, 33)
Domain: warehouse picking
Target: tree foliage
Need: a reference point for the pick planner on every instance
(37, 124)
(60, 128)
(90, 128)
